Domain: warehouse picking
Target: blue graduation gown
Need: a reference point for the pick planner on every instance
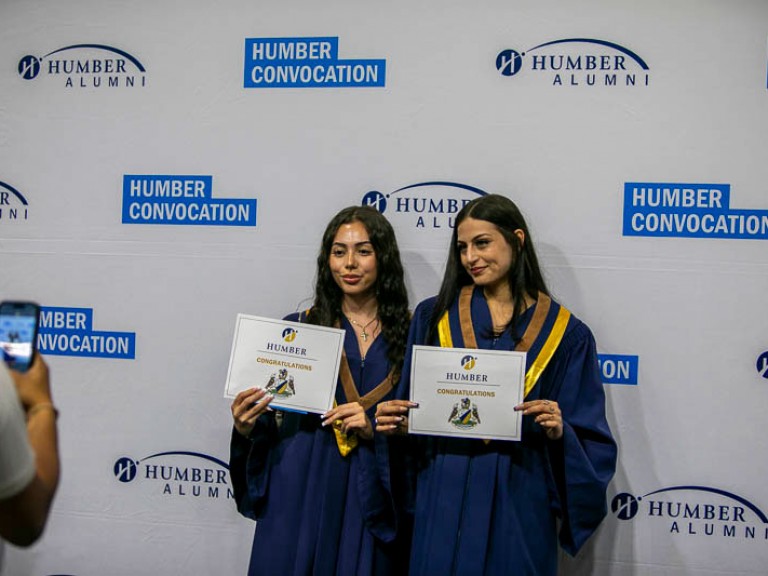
(495, 508)
(317, 512)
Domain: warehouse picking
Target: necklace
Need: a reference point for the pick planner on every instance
(363, 333)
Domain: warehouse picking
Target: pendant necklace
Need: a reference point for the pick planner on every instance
(363, 333)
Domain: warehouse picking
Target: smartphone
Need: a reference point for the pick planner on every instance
(18, 333)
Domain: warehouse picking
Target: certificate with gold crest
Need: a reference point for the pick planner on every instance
(466, 392)
(297, 363)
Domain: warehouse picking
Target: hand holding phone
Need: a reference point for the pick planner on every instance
(18, 333)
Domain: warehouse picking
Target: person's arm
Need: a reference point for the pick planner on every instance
(23, 516)
(254, 434)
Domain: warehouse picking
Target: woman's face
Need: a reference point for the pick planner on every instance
(353, 260)
(485, 253)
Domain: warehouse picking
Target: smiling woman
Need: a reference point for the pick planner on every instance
(508, 500)
(485, 253)
(353, 264)
(317, 482)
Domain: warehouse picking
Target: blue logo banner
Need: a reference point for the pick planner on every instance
(307, 63)
(618, 369)
(689, 211)
(183, 201)
(69, 332)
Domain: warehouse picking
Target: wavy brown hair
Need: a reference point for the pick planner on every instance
(391, 294)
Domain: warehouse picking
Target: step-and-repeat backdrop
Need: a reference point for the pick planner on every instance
(167, 165)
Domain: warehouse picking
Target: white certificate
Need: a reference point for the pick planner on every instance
(297, 363)
(467, 392)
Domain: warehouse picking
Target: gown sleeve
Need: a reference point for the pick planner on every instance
(249, 465)
(584, 459)
(249, 460)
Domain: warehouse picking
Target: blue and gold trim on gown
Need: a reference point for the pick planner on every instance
(486, 508)
(318, 511)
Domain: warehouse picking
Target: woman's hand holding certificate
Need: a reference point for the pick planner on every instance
(247, 407)
(392, 416)
(349, 418)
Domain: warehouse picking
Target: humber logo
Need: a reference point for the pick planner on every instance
(182, 200)
(307, 62)
(577, 62)
(86, 66)
(427, 204)
(468, 362)
(618, 368)
(289, 334)
(66, 331)
(689, 210)
(178, 473)
(13, 205)
(423, 214)
(695, 511)
(762, 364)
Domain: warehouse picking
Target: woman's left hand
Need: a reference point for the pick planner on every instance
(350, 418)
(548, 416)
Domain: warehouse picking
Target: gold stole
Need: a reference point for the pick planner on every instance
(529, 337)
(348, 442)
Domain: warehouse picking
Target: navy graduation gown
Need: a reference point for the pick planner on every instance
(317, 513)
(496, 508)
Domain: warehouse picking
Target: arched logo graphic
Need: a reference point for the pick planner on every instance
(509, 62)
(13, 205)
(29, 67)
(762, 364)
(577, 62)
(125, 469)
(694, 511)
(626, 506)
(6, 190)
(177, 474)
(423, 213)
(86, 66)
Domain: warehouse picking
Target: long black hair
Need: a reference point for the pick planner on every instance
(524, 275)
(391, 294)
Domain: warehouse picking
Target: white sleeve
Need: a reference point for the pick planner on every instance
(17, 461)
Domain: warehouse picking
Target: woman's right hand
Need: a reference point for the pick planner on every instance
(392, 416)
(247, 407)
(33, 386)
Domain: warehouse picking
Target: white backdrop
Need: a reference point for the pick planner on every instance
(144, 439)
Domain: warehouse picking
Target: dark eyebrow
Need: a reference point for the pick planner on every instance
(356, 245)
(474, 238)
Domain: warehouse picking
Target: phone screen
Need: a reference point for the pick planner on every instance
(18, 330)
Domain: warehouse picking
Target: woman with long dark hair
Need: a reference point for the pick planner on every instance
(498, 507)
(313, 483)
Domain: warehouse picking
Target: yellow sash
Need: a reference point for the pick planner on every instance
(348, 442)
(529, 337)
